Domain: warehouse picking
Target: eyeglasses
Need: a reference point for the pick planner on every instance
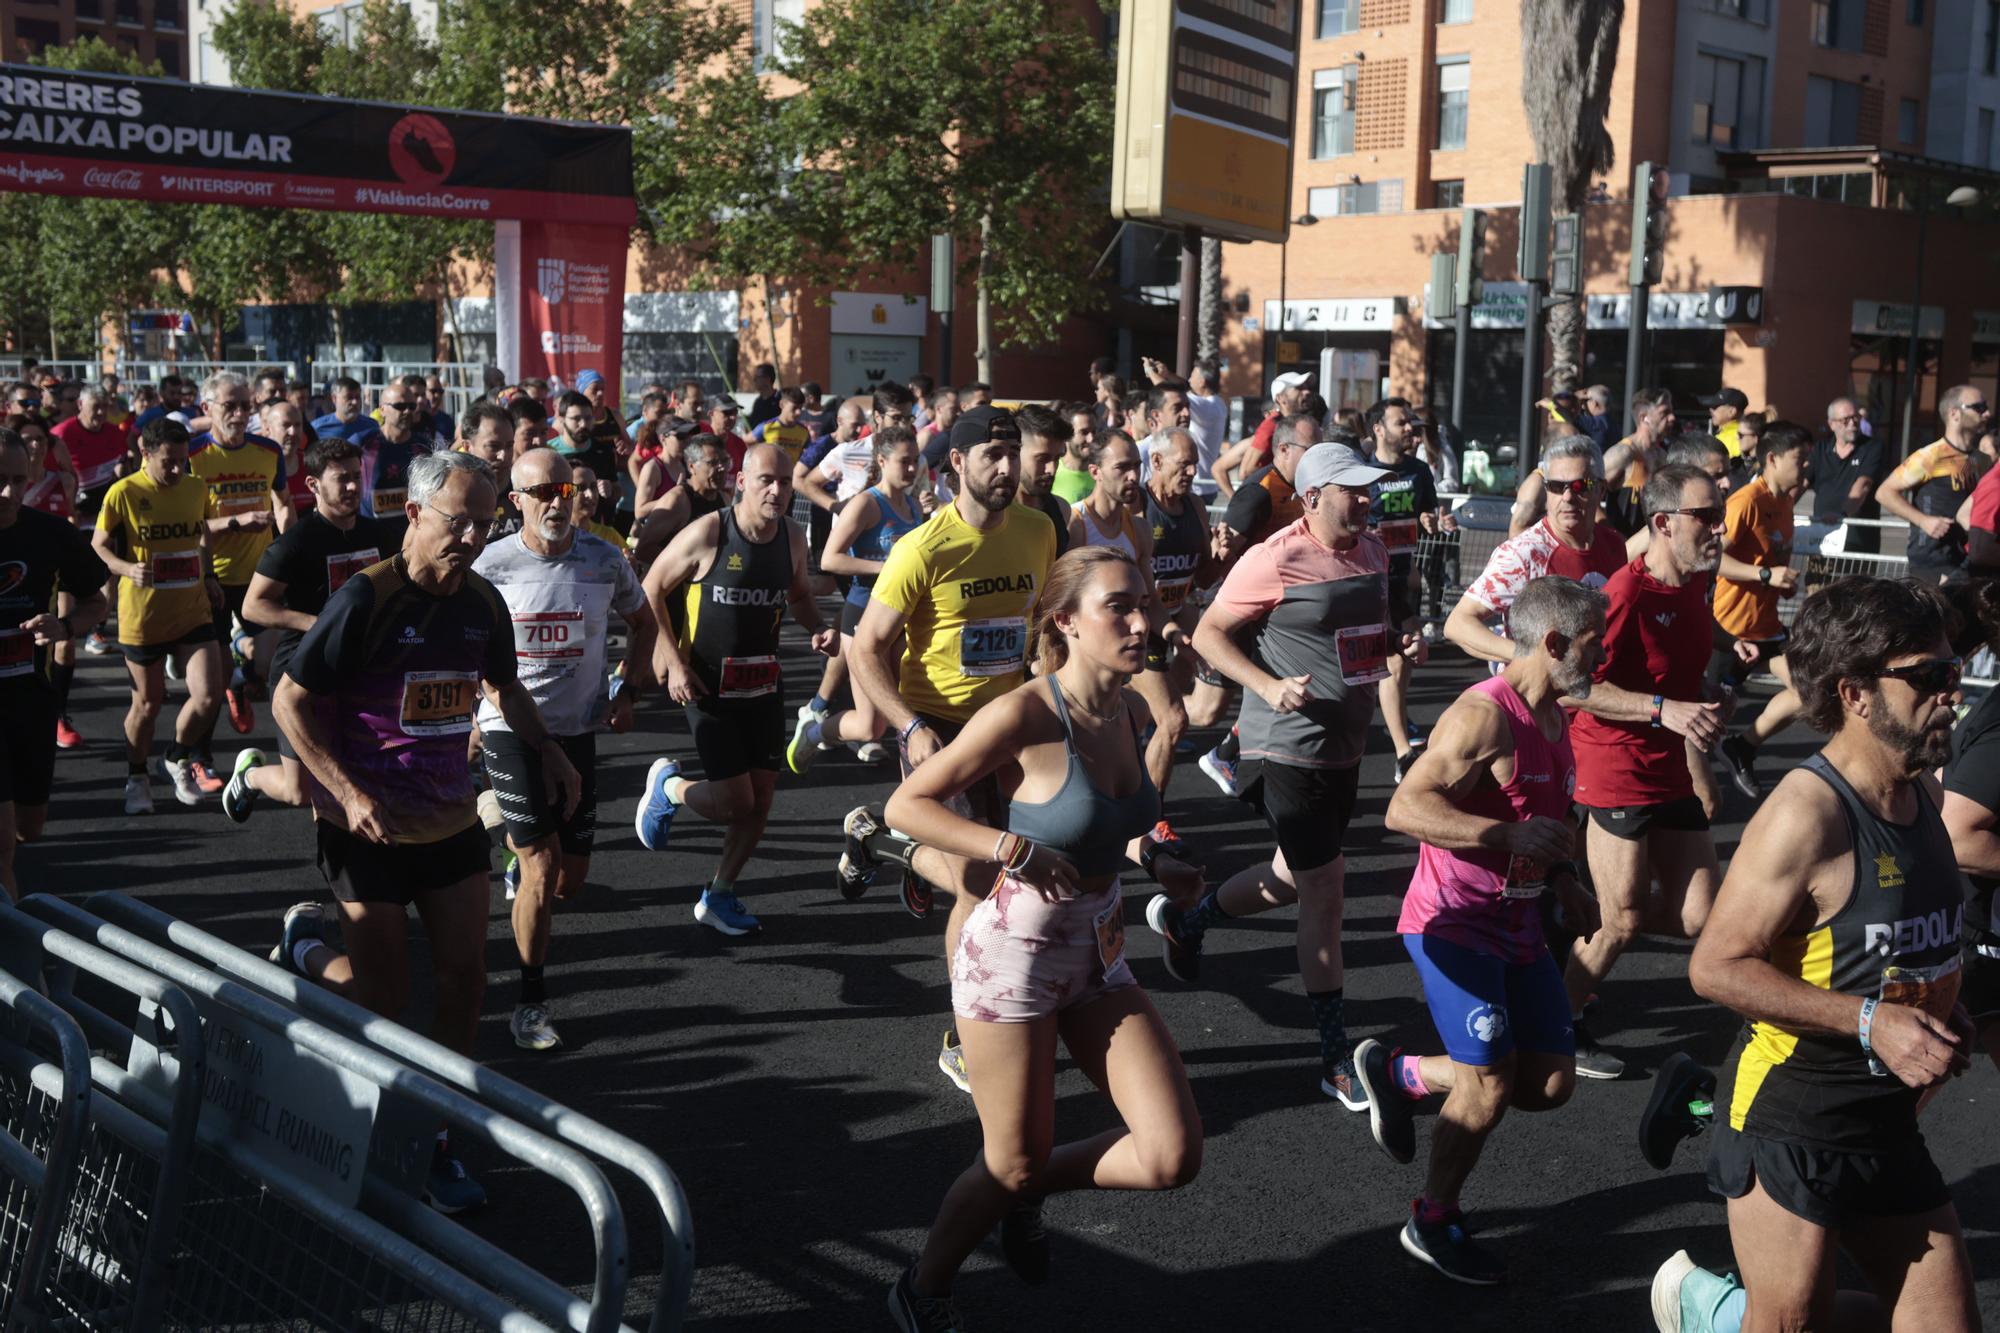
(1581, 486)
(461, 525)
(1933, 676)
(550, 491)
(399, 407)
(1708, 516)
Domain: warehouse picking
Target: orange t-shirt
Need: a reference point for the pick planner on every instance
(1756, 529)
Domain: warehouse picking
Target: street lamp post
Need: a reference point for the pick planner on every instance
(1302, 220)
(1912, 367)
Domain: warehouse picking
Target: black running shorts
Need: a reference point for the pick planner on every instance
(27, 742)
(739, 737)
(1307, 808)
(1630, 822)
(146, 654)
(359, 871)
(515, 770)
(1827, 1188)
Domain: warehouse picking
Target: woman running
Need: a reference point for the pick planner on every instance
(1043, 956)
(857, 546)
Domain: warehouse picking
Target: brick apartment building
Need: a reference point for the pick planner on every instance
(148, 29)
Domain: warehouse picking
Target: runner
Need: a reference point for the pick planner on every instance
(847, 461)
(93, 448)
(865, 532)
(1568, 541)
(741, 567)
(53, 492)
(1403, 507)
(1490, 806)
(347, 420)
(1299, 624)
(561, 586)
(41, 554)
(1288, 396)
(1627, 464)
(486, 432)
(152, 532)
(586, 502)
(1072, 476)
(1043, 956)
(1045, 438)
(328, 544)
(1928, 487)
(1749, 634)
(1183, 554)
(1633, 764)
(387, 455)
(702, 492)
(610, 449)
(1112, 514)
(785, 430)
(531, 424)
(1837, 938)
(1972, 813)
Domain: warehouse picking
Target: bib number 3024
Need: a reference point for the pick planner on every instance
(438, 703)
(993, 647)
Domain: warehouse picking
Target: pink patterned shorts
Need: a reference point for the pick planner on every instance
(1021, 958)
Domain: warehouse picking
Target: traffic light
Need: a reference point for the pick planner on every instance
(1471, 282)
(1534, 249)
(1443, 297)
(1650, 184)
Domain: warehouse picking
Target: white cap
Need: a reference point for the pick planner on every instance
(1297, 379)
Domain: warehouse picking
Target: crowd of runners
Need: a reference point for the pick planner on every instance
(1038, 609)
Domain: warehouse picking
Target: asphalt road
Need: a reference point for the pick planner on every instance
(789, 1078)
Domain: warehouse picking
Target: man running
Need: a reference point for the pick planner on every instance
(152, 532)
(347, 420)
(1300, 623)
(1045, 437)
(741, 568)
(1490, 806)
(325, 547)
(1928, 487)
(1972, 814)
(98, 449)
(1627, 464)
(1183, 553)
(1632, 761)
(1289, 393)
(702, 492)
(1071, 481)
(39, 554)
(378, 699)
(561, 586)
(1404, 505)
(1837, 938)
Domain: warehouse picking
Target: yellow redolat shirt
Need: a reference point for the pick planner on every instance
(242, 481)
(160, 528)
(967, 599)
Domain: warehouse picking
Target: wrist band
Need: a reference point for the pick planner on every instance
(1659, 707)
(1018, 862)
(1867, 1023)
(908, 727)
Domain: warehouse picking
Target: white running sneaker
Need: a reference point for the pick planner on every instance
(532, 1029)
(871, 752)
(138, 795)
(186, 790)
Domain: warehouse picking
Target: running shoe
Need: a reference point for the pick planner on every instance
(208, 776)
(67, 736)
(799, 755)
(951, 1060)
(917, 895)
(1340, 1081)
(1446, 1246)
(1024, 1242)
(1222, 772)
(808, 713)
(655, 819)
(1740, 758)
(303, 922)
(532, 1029)
(1671, 1113)
(97, 645)
(138, 795)
(449, 1189)
(1416, 737)
(725, 912)
(181, 773)
(511, 877)
(1404, 763)
(1592, 1060)
(921, 1314)
(871, 752)
(1686, 1295)
(1181, 955)
(1187, 745)
(239, 798)
(856, 870)
(241, 716)
(1390, 1116)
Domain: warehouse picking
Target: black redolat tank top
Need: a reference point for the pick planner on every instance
(1897, 938)
(733, 612)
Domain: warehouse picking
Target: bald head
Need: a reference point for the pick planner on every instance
(761, 457)
(539, 465)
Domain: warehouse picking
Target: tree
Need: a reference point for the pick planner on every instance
(987, 119)
(1569, 51)
(1208, 310)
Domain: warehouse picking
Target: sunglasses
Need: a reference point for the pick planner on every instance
(1582, 486)
(1972, 407)
(1708, 516)
(550, 491)
(399, 407)
(1929, 677)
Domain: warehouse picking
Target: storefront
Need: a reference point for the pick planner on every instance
(1298, 338)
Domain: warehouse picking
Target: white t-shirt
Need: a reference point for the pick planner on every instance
(848, 464)
(561, 608)
(1208, 421)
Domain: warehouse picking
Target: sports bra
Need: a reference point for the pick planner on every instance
(1080, 821)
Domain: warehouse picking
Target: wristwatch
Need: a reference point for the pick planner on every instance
(1764, 574)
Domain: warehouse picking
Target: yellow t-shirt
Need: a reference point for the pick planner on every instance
(607, 533)
(161, 529)
(968, 602)
(1757, 529)
(793, 439)
(240, 481)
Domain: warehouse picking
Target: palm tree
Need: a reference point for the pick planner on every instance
(1208, 313)
(1569, 50)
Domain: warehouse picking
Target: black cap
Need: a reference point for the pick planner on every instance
(1726, 398)
(982, 425)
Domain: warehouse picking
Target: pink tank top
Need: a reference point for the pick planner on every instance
(1482, 899)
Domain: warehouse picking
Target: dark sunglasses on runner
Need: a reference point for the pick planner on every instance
(1581, 486)
(1708, 516)
(1934, 676)
(550, 491)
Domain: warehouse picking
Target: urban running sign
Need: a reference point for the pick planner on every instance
(112, 136)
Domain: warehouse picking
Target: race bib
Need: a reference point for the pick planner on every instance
(389, 503)
(1526, 878)
(181, 569)
(1110, 926)
(341, 568)
(549, 643)
(439, 703)
(1173, 594)
(747, 677)
(1398, 535)
(1364, 653)
(995, 647)
(17, 653)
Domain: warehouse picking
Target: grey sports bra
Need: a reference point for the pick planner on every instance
(1080, 821)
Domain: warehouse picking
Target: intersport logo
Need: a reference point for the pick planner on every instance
(99, 179)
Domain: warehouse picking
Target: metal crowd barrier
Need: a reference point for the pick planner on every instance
(41, 1150)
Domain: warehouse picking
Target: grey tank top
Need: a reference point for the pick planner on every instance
(1080, 821)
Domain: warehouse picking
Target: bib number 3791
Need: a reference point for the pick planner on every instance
(438, 703)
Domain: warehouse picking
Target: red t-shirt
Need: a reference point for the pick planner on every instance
(1986, 502)
(1260, 443)
(96, 453)
(1656, 641)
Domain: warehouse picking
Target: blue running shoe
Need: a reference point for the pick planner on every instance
(448, 1188)
(655, 819)
(1687, 1297)
(725, 912)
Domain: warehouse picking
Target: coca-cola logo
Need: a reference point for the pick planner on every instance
(99, 179)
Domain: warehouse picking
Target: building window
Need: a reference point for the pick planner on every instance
(1993, 36)
(1907, 113)
(1333, 111)
(1750, 11)
(166, 13)
(128, 12)
(34, 36)
(1454, 100)
(1837, 24)
(1338, 16)
(341, 23)
(1985, 157)
(768, 20)
(1448, 194)
(168, 53)
(1728, 93)
(1833, 112)
(1454, 11)
(1330, 201)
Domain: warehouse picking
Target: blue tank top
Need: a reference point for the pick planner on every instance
(874, 543)
(1080, 821)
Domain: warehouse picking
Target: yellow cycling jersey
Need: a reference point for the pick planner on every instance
(160, 528)
(241, 481)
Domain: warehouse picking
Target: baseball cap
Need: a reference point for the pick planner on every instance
(1335, 465)
(982, 425)
(588, 378)
(1297, 379)
(1726, 398)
